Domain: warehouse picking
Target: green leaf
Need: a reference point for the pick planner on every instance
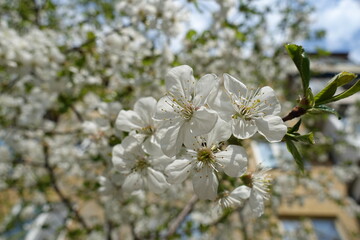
(323, 109)
(302, 63)
(306, 138)
(329, 90)
(310, 97)
(351, 91)
(240, 36)
(295, 128)
(90, 35)
(190, 34)
(295, 152)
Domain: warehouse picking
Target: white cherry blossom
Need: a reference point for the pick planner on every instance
(257, 186)
(234, 198)
(142, 171)
(205, 159)
(183, 110)
(140, 122)
(249, 110)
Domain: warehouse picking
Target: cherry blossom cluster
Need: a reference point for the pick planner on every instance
(184, 135)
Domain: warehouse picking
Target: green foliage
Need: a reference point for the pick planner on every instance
(302, 63)
(295, 152)
(326, 94)
(324, 109)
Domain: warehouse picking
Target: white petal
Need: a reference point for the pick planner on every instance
(234, 160)
(156, 181)
(220, 132)
(172, 138)
(178, 171)
(131, 145)
(145, 107)
(202, 121)
(243, 129)
(164, 109)
(272, 128)
(160, 162)
(221, 103)
(129, 120)
(118, 158)
(234, 86)
(241, 193)
(190, 141)
(180, 82)
(133, 182)
(151, 146)
(256, 203)
(205, 183)
(269, 102)
(203, 87)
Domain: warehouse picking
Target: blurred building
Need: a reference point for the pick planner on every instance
(324, 209)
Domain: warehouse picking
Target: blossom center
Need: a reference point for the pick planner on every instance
(141, 164)
(181, 106)
(205, 156)
(148, 130)
(250, 106)
(187, 111)
(247, 180)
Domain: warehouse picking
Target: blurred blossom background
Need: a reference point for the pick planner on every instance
(67, 68)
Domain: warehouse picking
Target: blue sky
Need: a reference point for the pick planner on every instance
(339, 18)
(341, 21)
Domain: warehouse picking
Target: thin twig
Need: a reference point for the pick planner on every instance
(55, 185)
(180, 218)
(78, 115)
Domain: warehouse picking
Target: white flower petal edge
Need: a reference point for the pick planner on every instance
(178, 170)
(241, 193)
(145, 108)
(202, 121)
(233, 160)
(180, 82)
(234, 86)
(133, 182)
(204, 87)
(172, 138)
(243, 129)
(272, 128)
(156, 181)
(219, 101)
(128, 120)
(205, 183)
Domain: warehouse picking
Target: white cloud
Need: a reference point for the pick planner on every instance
(341, 20)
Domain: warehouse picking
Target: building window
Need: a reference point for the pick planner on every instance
(272, 155)
(325, 229)
(310, 228)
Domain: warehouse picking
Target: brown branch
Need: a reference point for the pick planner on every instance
(37, 10)
(180, 218)
(78, 115)
(133, 233)
(299, 110)
(58, 191)
(29, 163)
(295, 112)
